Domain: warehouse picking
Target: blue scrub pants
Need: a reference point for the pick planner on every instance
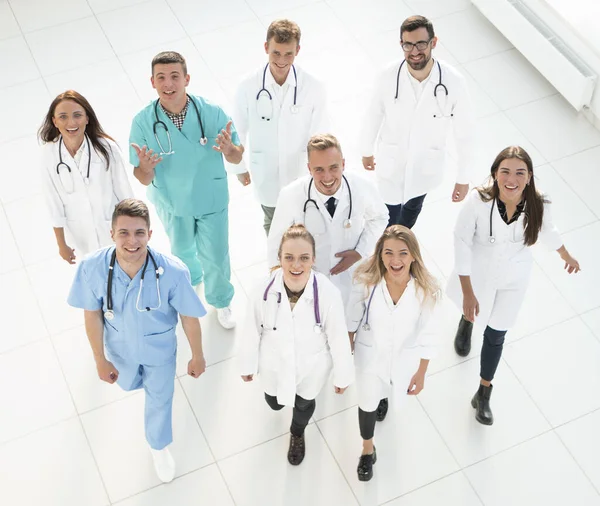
(202, 243)
(158, 382)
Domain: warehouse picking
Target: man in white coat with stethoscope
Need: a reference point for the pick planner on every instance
(417, 105)
(343, 212)
(278, 107)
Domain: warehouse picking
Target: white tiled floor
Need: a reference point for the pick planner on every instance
(66, 439)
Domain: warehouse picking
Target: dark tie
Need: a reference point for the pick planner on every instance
(331, 206)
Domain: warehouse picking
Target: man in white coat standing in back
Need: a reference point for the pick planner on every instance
(343, 212)
(278, 107)
(418, 103)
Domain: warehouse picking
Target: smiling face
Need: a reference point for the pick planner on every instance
(396, 259)
(297, 259)
(418, 59)
(170, 80)
(71, 119)
(512, 177)
(326, 167)
(281, 58)
(131, 236)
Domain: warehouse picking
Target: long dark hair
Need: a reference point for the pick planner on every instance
(534, 201)
(49, 133)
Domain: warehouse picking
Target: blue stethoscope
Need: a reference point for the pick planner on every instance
(61, 163)
(309, 200)
(318, 328)
(366, 327)
(158, 122)
(293, 107)
(109, 314)
(435, 90)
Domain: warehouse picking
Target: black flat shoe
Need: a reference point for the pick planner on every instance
(481, 403)
(382, 410)
(365, 466)
(462, 340)
(297, 450)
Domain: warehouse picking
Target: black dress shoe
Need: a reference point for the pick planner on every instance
(462, 341)
(297, 450)
(382, 410)
(481, 403)
(365, 466)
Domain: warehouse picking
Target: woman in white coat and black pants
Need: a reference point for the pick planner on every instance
(392, 318)
(296, 335)
(83, 176)
(493, 261)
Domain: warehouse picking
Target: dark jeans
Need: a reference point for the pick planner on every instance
(491, 351)
(366, 422)
(303, 410)
(406, 214)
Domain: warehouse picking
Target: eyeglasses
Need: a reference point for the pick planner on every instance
(421, 45)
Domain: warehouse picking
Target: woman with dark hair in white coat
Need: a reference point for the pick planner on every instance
(392, 318)
(493, 261)
(296, 335)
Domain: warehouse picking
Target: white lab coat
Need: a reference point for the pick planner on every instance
(86, 213)
(280, 344)
(499, 271)
(388, 354)
(369, 220)
(412, 136)
(277, 148)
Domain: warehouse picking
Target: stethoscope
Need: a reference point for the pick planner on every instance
(109, 314)
(309, 200)
(435, 90)
(318, 327)
(366, 327)
(203, 138)
(293, 107)
(492, 238)
(61, 162)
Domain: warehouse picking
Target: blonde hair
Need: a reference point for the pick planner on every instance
(283, 31)
(296, 231)
(321, 142)
(372, 270)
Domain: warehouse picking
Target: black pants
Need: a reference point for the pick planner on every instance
(366, 422)
(303, 410)
(406, 214)
(491, 351)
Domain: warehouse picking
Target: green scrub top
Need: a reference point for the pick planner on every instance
(192, 181)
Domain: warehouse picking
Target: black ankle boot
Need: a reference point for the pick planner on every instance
(297, 450)
(365, 466)
(462, 341)
(382, 410)
(481, 403)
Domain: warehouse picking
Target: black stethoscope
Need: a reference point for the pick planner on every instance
(435, 90)
(60, 162)
(309, 200)
(492, 238)
(109, 314)
(293, 107)
(203, 138)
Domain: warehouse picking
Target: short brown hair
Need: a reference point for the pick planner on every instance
(414, 23)
(321, 142)
(167, 57)
(131, 207)
(284, 31)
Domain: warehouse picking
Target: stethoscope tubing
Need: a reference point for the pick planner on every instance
(313, 201)
(61, 162)
(158, 122)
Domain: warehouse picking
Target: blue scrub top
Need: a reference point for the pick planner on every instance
(192, 181)
(140, 337)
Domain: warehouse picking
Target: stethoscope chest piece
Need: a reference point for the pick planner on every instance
(366, 327)
(294, 109)
(203, 141)
(347, 223)
(109, 315)
(492, 240)
(318, 328)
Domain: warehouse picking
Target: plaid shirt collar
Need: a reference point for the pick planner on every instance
(179, 118)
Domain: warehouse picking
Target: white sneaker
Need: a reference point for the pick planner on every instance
(225, 317)
(163, 464)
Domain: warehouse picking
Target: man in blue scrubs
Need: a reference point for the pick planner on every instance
(132, 331)
(177, 147)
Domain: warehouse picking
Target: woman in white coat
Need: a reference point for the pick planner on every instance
(495, 228)
(83, 176)
(296, 335)
(392, 320)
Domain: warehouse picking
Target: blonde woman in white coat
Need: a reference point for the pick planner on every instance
(296, 335)
(83, 176)
(392, 320)
(493, 261)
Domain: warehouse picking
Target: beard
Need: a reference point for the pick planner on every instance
(421, 64)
